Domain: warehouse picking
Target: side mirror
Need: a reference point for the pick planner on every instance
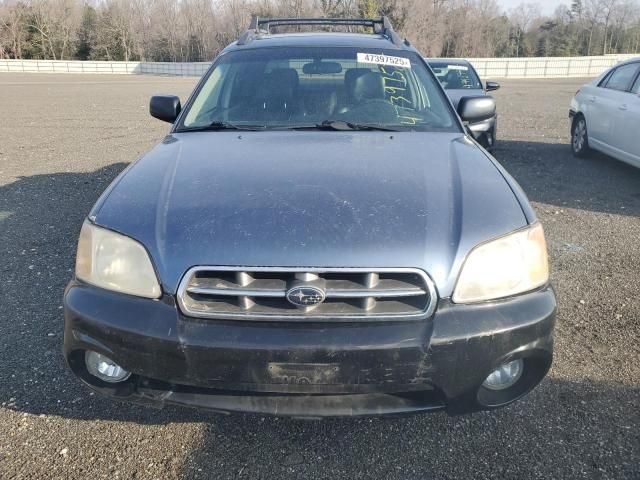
(165, 107)
(476, 109)
(491, 86)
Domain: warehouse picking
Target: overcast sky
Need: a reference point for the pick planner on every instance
(546, 6)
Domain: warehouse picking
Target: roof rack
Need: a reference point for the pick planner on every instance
(380, 26)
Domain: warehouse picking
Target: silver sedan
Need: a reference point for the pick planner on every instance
(605, 114)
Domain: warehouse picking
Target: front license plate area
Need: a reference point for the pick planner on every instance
(303, 373)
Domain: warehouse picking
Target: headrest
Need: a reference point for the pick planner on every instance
(353, 73)
(279, 83)
(350, 77)
(285, 77)
(368, 86)
(453, 80)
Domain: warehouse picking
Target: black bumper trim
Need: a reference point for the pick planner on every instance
(451, 353)
(301, 406)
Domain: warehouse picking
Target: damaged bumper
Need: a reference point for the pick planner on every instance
(310, 369)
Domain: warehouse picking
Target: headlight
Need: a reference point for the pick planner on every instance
(109, 260)
(509, 265)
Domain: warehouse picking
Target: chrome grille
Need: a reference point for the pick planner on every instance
(349, 293)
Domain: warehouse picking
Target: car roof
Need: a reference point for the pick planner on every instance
(631, 60)
(320, 39)
(599, 78)
(452, 61)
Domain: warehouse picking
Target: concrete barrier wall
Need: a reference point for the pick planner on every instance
(532, 67)
(546, 67)
(195, 69)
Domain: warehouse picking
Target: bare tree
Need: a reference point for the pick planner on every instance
(334, 8)
(13, 29)
(608, 10)
(188, 30)
(522, 17)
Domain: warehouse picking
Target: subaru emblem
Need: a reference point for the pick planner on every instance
(303, 296)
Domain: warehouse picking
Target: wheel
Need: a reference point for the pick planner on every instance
(491, 137)
(580, 137)
(486, 139)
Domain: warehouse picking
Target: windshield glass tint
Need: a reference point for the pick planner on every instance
(298, 87)
(456, 77)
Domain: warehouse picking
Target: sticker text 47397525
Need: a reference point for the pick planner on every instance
(400, 62)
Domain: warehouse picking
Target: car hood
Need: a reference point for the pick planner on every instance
(324, 199)
(457, 93)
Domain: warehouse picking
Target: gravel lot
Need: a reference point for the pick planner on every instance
(64, 138)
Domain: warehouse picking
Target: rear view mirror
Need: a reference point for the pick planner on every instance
(476, 109)
(321, 68)
(165, 107)
(491, 86)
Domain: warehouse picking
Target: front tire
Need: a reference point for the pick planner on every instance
(487, 139)
(580, 137)
(491, 137)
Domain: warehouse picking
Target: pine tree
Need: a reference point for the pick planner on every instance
(87, 33)
(368, 8)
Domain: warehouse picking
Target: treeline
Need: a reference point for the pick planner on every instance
(195, 30)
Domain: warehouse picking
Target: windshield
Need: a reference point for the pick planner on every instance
(316, 87)
(455, 76)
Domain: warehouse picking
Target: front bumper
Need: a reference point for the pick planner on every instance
(485, 131)
(310, 369)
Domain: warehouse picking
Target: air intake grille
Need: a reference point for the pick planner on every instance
(347, 294)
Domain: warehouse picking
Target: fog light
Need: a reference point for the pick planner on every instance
(505, 376)
(104, 368)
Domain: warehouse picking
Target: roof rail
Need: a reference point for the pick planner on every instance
(380, 26)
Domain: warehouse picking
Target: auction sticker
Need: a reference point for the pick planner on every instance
(384, 60)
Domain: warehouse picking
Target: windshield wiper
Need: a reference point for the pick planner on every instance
(342, 125)
(216, 126)
(326, 125)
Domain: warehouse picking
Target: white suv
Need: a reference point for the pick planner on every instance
(605, 114)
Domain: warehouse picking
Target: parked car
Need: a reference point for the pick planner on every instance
(460, 79)
(605, 114)
(316, 236)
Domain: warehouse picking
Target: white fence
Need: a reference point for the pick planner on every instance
(195, 69)
(533, 67)
(545, 67)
